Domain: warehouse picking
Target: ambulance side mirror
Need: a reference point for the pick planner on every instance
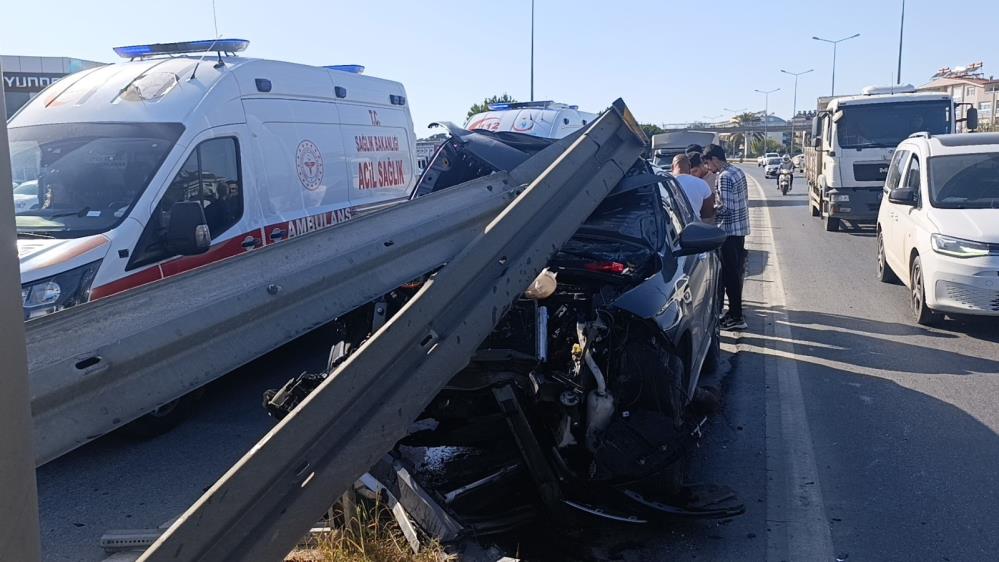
(187, 231)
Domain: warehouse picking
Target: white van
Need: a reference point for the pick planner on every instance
(545, 119)
(938, 225)
(152, 167)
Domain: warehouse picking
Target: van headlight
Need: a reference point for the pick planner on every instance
(957, 247)
(64, 290)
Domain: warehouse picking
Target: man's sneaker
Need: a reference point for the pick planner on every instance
(729, 323)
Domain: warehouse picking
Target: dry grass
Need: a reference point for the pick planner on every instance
(371, 535)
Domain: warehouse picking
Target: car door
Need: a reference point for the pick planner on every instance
(906, 221)
(693, 287)
(889, 217)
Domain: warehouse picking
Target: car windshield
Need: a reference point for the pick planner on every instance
(964, 181)
(773, 161)
(84, 177)
(887, 124)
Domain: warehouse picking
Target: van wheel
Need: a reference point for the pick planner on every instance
(832, 224)
(920, 311)
(163, 419)
(885, 274)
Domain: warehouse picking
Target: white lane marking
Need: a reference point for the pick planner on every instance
(796, 515)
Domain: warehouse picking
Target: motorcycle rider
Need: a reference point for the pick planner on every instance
(786, 167)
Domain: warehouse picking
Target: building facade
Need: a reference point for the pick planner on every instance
(971, 89)
(24, 77)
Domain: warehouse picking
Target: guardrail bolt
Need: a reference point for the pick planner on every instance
(273, 289)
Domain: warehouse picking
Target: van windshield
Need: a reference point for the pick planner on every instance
(80, 179)
(884, 125)
(965, 181)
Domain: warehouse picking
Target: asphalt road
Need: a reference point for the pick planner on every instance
(850, 432)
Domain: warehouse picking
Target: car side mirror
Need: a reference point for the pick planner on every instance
(903, 196)
(971, 119)
(699, 237)
(187, 231)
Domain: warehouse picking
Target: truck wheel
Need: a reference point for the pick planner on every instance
(885, 274)
(920, 311)
(815, 211)
(832, 224)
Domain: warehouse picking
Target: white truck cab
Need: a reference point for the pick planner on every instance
(853, 139)
(546, 119)
(938, 224)
(148, 168)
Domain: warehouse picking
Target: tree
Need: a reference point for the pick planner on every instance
(484, 106)
(651, 129)
(747, 118)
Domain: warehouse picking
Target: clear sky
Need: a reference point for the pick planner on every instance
(671, 61)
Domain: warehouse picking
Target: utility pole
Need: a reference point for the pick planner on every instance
(532, 50)
(794, 110)
(901, 31)
(835, 43)
(766, 116)
(19, 537)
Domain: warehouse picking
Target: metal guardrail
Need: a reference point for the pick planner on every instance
(98, 366)
(261, 507)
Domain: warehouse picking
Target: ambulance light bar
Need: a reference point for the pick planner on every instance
(530, 105)
(184, 47)
(352, 68)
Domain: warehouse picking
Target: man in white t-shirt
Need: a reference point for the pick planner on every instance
(698, 192)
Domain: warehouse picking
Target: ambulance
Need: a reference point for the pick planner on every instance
(188, 154)
(546, 119)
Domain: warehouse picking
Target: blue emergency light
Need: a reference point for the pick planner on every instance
(351, 68)
(521, 105)
(183, 47)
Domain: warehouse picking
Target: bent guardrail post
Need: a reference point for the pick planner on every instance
(100, 365)
(19, 537)
(261, 507)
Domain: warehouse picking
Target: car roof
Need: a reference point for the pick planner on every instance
(956, 143)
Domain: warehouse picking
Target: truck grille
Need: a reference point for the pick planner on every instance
(974, 298)
(870, 172)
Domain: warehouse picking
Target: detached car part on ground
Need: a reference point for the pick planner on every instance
(588, 393)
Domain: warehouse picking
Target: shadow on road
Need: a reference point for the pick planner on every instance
(782, 202)
(904, 475)
(847, 341)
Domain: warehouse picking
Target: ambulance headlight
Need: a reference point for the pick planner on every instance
(64, 290)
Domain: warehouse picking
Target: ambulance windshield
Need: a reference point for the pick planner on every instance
(78, 179)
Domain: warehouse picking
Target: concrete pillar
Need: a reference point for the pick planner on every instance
(19, 538)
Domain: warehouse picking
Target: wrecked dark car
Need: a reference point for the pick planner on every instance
(587, 395)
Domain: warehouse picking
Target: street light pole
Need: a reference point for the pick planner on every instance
(766, 117)
(794, 110)
(532, 50)
(835, 43)
(901, 30)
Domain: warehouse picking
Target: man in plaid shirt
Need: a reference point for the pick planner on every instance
(732, 216)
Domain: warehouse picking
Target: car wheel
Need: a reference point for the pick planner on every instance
(920, 311)
(832, 223)
(885, 274)
(163, 419)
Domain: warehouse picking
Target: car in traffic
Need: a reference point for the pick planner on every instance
(771, 167)
(762, 160)
(602, 356)
(938, 224)
(799, 161)
(134, 172)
